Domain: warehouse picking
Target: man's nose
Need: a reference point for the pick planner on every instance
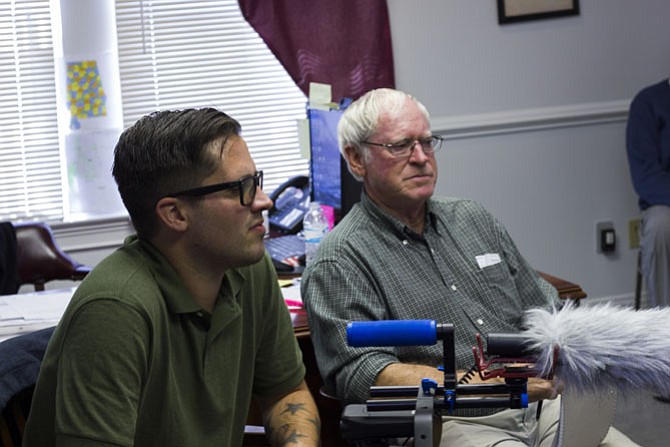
(262, 200)
(418, 155)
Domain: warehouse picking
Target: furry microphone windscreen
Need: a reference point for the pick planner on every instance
(603, 346)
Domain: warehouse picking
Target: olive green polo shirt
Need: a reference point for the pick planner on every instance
(134, 361)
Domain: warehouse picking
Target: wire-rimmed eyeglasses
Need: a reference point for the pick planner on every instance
(404, 148)
(248, 185)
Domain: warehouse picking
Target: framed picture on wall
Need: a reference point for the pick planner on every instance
(511, 11)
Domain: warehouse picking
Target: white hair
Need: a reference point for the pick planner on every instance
(360, 120)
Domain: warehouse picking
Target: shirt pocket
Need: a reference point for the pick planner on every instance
(496, 273)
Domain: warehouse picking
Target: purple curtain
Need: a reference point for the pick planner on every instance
(344, 43)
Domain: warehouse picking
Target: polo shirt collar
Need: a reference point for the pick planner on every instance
(177, 297)
(394, 225)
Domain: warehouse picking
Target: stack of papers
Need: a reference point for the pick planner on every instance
(291, 290)
(27, 312)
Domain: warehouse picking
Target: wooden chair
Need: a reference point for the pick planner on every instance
(40, 259)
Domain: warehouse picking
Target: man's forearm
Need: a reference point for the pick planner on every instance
(404, 374)
(293, 420)
(399, 374)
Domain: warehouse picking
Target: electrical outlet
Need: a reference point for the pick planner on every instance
(634, 233)
(605, 237)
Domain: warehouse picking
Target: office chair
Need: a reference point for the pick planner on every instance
(40, 260)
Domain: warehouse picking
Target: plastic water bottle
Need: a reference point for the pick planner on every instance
(315, 227)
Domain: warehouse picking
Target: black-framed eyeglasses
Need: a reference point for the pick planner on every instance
(248, 185)
(404, 148)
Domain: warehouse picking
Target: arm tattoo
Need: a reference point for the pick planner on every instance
(285, 437)
(293, 438)
(293, 408)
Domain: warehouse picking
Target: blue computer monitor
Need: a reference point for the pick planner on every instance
(330, 180)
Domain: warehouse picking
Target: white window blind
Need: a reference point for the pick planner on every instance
(30, 163)
(175, 54)
(172, 54)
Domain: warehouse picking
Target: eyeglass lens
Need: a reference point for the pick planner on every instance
(248, 188)
(428, 145)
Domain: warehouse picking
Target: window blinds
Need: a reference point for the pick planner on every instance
(172, 54)
(176, 54)
(30, 163)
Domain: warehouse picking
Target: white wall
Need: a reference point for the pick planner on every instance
(535, 115)
(455, 57)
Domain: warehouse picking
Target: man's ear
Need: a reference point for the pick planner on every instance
(171, 212)
(356, 160)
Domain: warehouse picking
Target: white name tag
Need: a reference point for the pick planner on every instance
(488, 259)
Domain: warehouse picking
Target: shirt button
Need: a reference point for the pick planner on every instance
(480, 321)
(405, 242)
(453, 287)
(432, 251)
(200, 314)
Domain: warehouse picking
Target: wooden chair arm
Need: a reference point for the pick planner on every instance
(566, 290)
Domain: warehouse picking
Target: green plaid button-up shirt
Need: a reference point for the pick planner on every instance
(464, 270)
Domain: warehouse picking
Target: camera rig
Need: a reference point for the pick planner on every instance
(416, 411)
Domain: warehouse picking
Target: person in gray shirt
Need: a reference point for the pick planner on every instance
(403, 254)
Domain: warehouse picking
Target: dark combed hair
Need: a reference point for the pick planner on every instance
(165, 152)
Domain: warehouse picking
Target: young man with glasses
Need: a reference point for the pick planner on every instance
(167, 339)
(402, 253)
